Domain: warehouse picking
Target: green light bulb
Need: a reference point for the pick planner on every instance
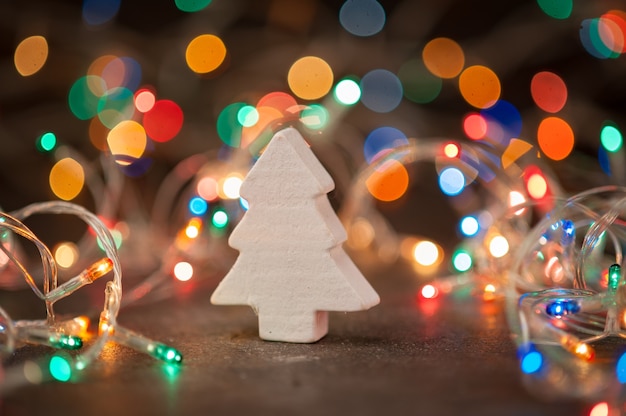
(66, 342)
(168, 354)
(614, 277)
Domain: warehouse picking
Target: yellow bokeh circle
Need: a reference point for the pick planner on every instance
(67, 178)
(30, 55)
(310, 78)
(205, 53)
(127, 141)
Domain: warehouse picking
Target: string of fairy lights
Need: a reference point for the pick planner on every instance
(555, 258)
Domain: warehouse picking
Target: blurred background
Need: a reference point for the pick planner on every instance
(151, 113)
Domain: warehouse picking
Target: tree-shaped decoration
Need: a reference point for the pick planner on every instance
(291, 267)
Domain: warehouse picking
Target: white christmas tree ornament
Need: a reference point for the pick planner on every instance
(291, 267)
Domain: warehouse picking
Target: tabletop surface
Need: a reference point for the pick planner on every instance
(404, 356)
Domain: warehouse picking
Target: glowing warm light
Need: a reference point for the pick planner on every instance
(310, 78)
(515, 149)
(577, 347)
(426, 253)
(205, 53)
(479, 86)
(66, 254)
(347, 92)
(555, 138)
(183, 271)
(98, 269)
(489, 292)
(207, 188)
(67, 178)
(600, 409)
(144, 100)
(451, 150)
(30, 55)
(429, 292)
(389, 181)
(475, 126)
(548, 91)
(193, 228)
(517, 198)
(443, 57)
(127, 141)
(498, 246)
(231, 185)
(537, 186)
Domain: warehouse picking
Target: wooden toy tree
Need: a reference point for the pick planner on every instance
(291, 268)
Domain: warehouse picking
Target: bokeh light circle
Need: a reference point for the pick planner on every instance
(67, 179)
(479, 86)
(118, 104)
(451, 181)
(381, 141)
(362, 17)
(191, 6)
(315, 116)
(144, 100)
(84, 96)
(381, 91)
(229, 127)
(389, 181)
(443, 57)
(418, 83)
(555, 138)
(247, 116)
(205, 53)
(347, 92)
(611, 138)
(504, 122)
(30, 55)
(310, 78)
(127, 142)
(98, 12)
(164, 120)
(558, 9)
(548, 91)
(475, 126)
